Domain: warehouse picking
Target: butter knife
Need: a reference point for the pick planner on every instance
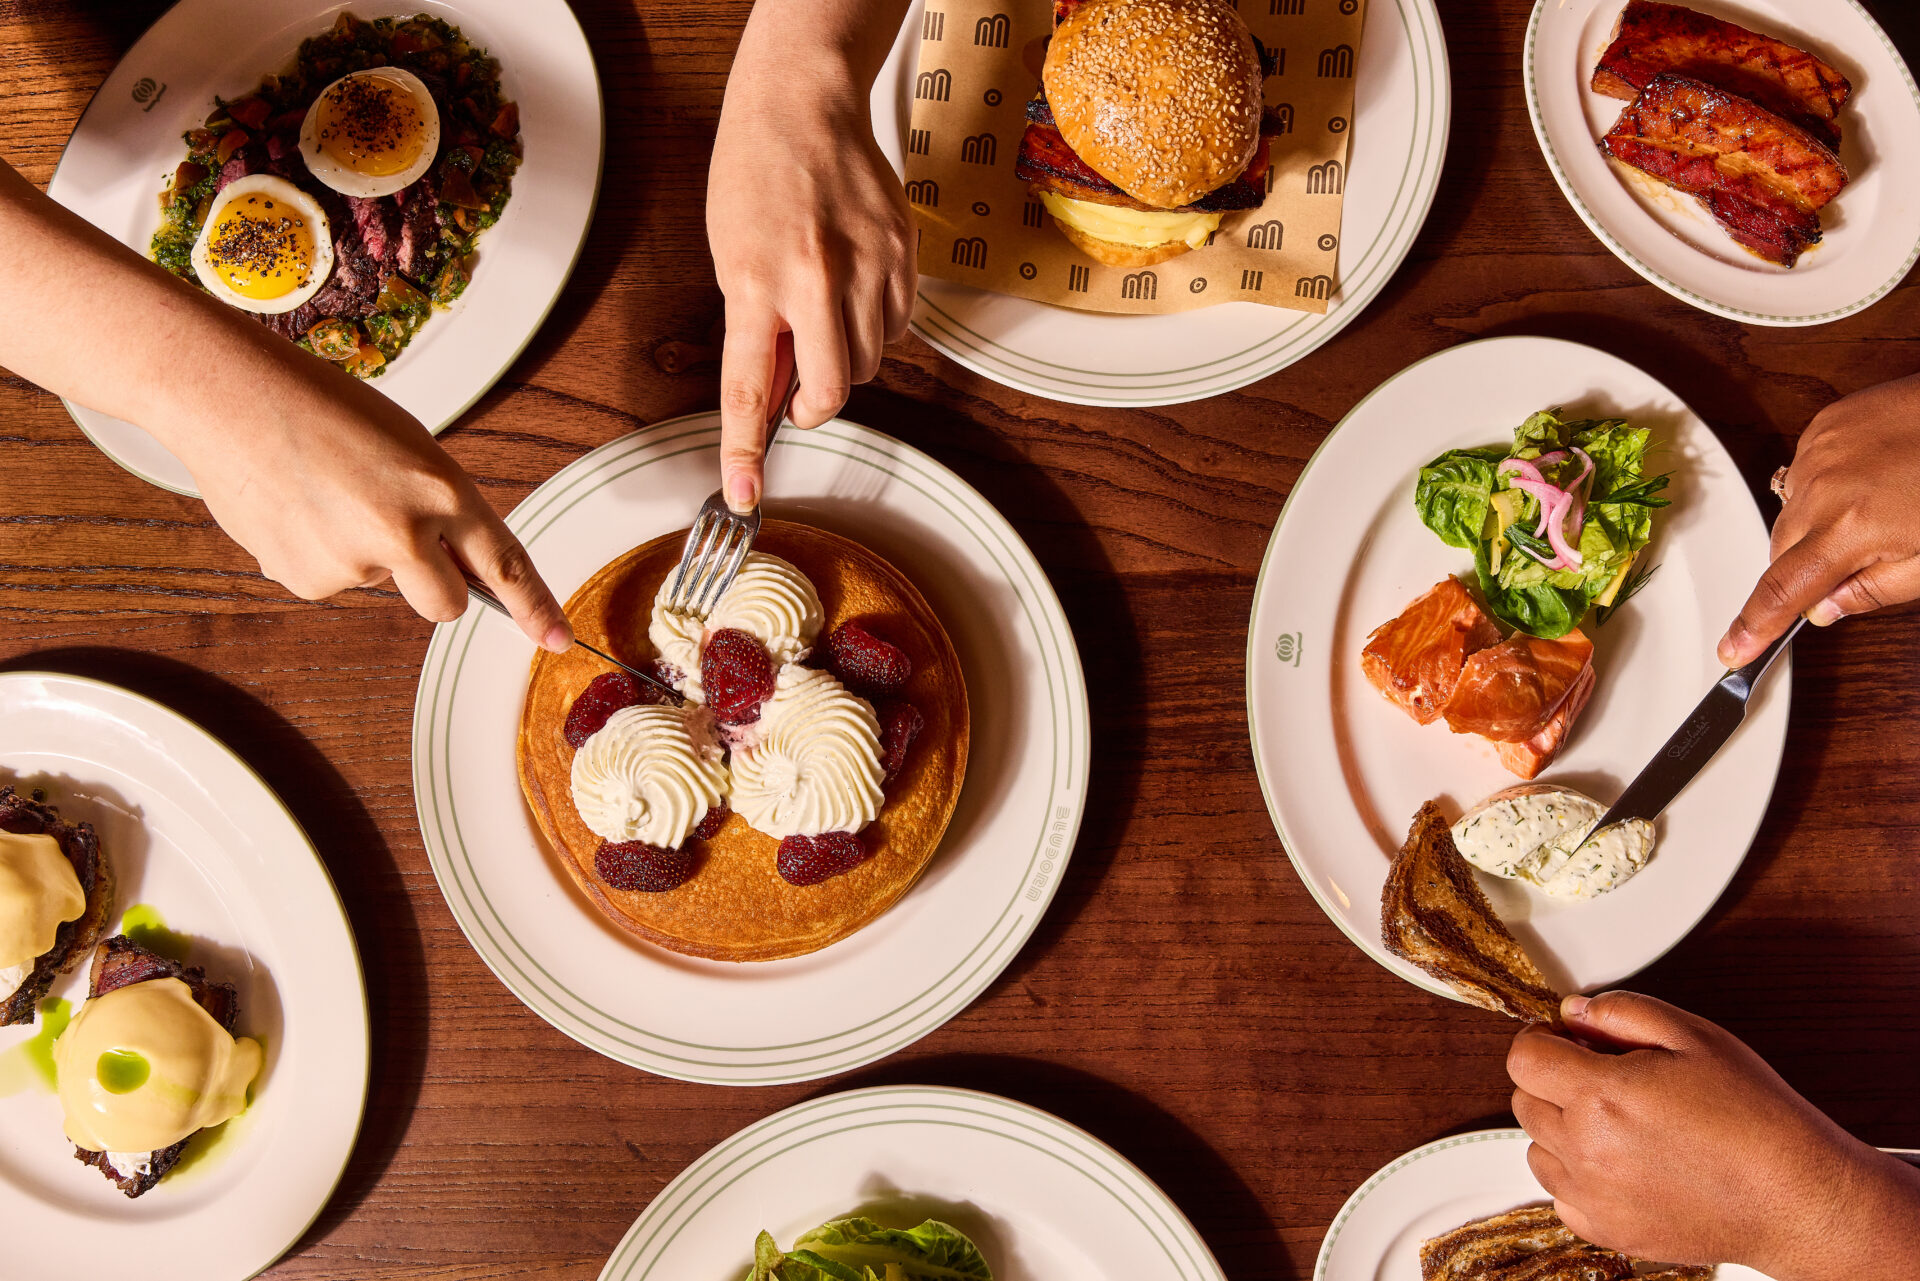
(672, 695)
(1699, 738)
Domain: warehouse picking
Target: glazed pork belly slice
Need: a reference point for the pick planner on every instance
(1655, 39)
(1415, 659)
(120, 962)
(1764, 178)
(25, 817)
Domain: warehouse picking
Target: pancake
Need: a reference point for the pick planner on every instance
(736, 906)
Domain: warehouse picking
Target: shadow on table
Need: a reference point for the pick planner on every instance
(1226, 1212)
(1105, 629)
(355, 855)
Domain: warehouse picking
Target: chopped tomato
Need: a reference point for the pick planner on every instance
(251, 112)
(506, 121)
(363, 362)
(231, 141)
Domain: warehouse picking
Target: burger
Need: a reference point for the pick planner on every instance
(1147, 126)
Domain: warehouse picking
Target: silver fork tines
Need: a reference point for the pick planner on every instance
(716, 547)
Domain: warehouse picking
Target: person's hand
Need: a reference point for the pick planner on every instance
(1667, 1138)
(1848, 539)
(808, 222)
(365, 495)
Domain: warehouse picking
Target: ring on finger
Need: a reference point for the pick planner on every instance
(1779, 484)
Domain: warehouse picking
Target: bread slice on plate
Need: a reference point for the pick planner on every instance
(27, 817)
(1434, 914)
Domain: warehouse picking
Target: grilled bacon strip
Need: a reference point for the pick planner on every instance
(1656, 39)
(1763, 178)
(1050, 164)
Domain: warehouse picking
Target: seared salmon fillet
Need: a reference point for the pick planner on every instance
(1528, 757)
(1416, 658)
(1509, 693)
(1654, 39)
(1763, 178)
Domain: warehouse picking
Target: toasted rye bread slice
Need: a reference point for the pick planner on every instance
(120, 962)
(1532, 1244)
(1433, 914)
(74, 940)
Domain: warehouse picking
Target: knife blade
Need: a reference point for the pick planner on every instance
(660, 687)
(1701, 736)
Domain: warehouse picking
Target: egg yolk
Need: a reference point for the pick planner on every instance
(370, 125)
(261, 247)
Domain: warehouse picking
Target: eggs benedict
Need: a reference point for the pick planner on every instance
(55, 894)
(148, 1062)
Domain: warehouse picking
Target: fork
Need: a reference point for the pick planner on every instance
(486, 597)
(720, 539)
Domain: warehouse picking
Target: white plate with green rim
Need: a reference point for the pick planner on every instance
(1041, 1198)
(1400, 141)
(1872, 227)
(192, 834)
(1431, 1190)
(1344, 770)
(902, 976)
(128, 142)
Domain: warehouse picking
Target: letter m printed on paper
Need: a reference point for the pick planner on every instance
(1265, 235)
(979, 149)
(1143, 285)
(970, 251)
(935, 85)
(993, 31)
(1320, 287)
(924, 191)
(1336, 63)
(1327, 179)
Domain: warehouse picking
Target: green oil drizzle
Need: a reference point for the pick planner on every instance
(144, 925)
(122, 1071)
(30, 1063)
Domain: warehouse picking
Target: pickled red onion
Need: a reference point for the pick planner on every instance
(1557, 537)
(1521, 466)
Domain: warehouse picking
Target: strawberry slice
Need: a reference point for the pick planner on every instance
(635, 865)
(609, 692)
(866, 664)
(737, 674)
(900, 723)
(809, 860)
(709, 826)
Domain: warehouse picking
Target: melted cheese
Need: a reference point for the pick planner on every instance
(39, 892)
(144, 1066)
(1125, 226)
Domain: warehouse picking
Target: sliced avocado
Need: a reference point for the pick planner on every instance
(1619, 580)
(1503, 509)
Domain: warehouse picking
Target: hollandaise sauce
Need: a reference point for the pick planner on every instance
(143, 1067)
(39, 892)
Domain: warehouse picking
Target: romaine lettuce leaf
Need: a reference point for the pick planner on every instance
(858, 1249)
(1537, 608)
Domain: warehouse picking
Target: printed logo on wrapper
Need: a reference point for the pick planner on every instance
(970, 97)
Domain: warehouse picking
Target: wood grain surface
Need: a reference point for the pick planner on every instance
(1184, 999)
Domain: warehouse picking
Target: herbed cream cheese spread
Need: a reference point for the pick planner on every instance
(649, 774)
(769, 599)
(1539, 833)
(816, 766)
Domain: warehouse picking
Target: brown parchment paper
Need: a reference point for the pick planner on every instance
(978, 224)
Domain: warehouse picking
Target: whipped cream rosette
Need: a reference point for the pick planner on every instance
(815, 764)
(650, 774)
(769, 599)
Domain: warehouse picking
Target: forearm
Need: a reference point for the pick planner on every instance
(834, 48)
(1874, 1235)
(97, 323)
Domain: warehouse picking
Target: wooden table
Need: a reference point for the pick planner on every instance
(1184, 999)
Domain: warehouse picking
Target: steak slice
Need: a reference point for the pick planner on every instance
(26, 817)
(1764, 178)
(120, 962)
(1654, 39)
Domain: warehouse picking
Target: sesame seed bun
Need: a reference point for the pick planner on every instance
(1161, 97)
(1114, 254)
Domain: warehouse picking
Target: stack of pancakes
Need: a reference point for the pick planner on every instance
(736, 907)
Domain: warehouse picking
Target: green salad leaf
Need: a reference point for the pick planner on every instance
(858, 1249)
(1462, 497)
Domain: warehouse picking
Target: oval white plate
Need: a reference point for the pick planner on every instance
(1872, 228)
(191, 830)
(1399, 144)
(899, 978)
(1344, 770)
(128, 142)
(1434, 1189)
(1042, 1199)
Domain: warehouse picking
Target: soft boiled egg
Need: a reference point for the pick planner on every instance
(266, 245)
(372, 132)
